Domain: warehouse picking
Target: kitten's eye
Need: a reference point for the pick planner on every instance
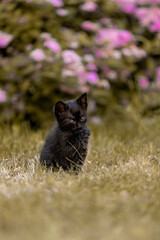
(82, 119)
(72, 121)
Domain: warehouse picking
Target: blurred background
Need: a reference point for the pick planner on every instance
(58, 49)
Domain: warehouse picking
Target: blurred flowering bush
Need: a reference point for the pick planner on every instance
(52, 48)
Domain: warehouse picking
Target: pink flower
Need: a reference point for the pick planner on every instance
(109, 73)
(143, 82)
(108, 52)
(128, 6)
(148, 16)
(148, 1)
(99, 53)
(88, 58)
(123, 37)
(29, 47)
(70, 56)
(68, 72)
(134, 51)
(89, 26)
(53, 45)
(155, 27)
(138, 52)
(2, 96)
(91, 77)
(5, 39)
(56, 3)
(45, 36)
(72, 64)
(91, 67)
(89, 6)
(106, 21)
(37, 55)
(114, 37)
(62, 12)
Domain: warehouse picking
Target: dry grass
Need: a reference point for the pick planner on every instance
(116, 196)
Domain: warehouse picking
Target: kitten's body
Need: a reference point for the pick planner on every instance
(66, 145)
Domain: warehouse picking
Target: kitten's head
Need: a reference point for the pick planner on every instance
(72, 115)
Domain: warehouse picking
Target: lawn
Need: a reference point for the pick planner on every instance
(116, 196)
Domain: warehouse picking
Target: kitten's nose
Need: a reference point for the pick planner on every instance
(79, 125)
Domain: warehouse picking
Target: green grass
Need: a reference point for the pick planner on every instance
(116, 196)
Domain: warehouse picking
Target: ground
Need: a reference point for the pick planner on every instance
(116, 196)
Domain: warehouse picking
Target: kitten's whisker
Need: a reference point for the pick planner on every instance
(77, 165)
(76, 150)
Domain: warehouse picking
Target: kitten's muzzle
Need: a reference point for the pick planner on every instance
(79, 125)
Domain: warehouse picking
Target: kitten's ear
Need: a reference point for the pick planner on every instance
(82, 100)
(60, 107)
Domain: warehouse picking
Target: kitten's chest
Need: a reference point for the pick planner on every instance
(79, 139)
(76, 139)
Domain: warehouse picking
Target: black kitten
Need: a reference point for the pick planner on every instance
(66, 145)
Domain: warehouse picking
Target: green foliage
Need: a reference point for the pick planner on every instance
(33, 86)
(31, 91)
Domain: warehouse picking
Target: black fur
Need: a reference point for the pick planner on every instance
(66, 145)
